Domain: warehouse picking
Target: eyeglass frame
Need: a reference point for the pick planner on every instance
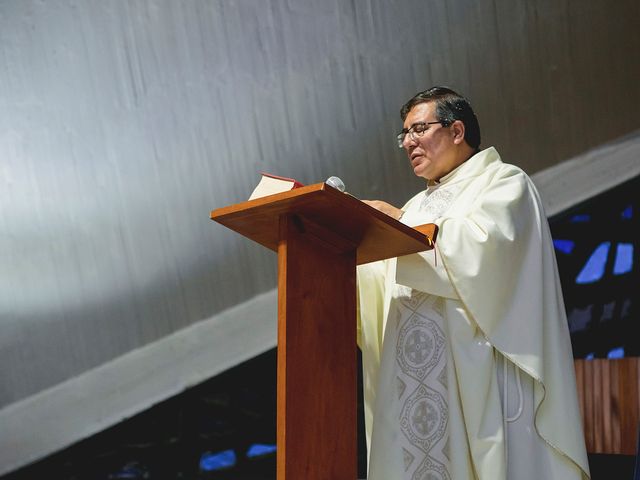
(413, 134)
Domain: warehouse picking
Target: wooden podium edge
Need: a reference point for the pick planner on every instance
(284, 203)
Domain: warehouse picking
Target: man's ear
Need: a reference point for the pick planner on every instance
(457, 128)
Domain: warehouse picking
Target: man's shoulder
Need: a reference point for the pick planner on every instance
(510, 178)
(501, 170)
(510, 170)
(499, 177)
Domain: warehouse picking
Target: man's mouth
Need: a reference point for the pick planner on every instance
(415, 156)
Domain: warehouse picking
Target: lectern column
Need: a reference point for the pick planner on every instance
(316, 353)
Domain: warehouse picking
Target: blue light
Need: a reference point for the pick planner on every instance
(624, 259)
(594, 268)
(259, 449)
(627, 213)
(582, 218)
(616, 353)
(590, 356)
(565, 246)
(217, 461)
(131, 470)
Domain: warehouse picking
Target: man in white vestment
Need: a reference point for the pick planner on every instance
(468, 369)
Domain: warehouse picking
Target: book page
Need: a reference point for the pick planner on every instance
(270, 185)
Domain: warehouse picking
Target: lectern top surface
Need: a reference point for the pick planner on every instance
(325, 212)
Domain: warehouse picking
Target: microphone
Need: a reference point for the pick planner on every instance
(336, 183)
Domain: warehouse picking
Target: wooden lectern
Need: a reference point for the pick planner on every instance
(320, 234)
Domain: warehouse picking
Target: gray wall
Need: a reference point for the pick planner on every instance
(123, 123)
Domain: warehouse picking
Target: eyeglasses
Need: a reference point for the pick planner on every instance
(416, 130)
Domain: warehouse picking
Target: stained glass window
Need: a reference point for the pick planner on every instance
(597, 251)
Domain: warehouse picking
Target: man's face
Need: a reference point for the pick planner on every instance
(432, 155)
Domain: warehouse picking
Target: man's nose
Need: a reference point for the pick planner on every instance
(408, 141)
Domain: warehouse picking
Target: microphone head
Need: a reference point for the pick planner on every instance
(336, 183)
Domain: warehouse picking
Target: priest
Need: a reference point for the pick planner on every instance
(468, 369)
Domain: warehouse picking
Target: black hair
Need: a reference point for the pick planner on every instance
(450, 106)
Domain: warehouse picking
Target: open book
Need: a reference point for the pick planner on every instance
(270, 184)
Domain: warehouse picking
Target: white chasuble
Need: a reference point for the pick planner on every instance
(455, 381)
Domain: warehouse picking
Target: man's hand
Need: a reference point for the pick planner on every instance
(384, 207)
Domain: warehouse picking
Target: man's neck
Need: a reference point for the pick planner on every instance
(463, 153)
(466, 152)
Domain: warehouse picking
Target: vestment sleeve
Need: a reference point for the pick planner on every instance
(498, 252)
(423, 271)
(370, 305)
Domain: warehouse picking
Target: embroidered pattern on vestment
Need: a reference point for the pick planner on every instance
(424, 413)
(435, 203)
(421, 360)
